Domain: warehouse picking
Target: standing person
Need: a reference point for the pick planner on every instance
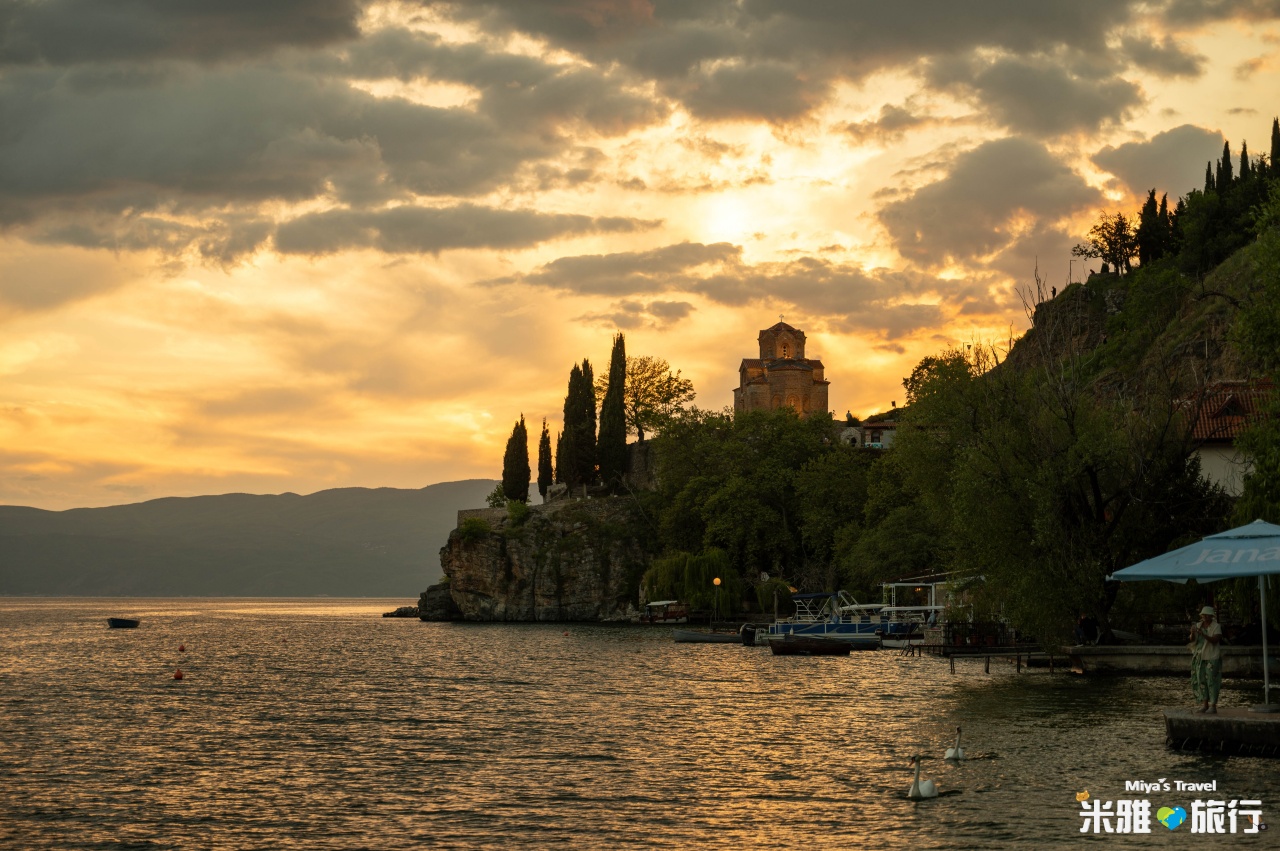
(1206, 660)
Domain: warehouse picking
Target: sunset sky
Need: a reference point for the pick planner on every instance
(306, 244)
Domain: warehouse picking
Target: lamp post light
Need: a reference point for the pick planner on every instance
(715, 609)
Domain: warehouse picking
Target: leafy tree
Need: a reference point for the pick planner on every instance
(691, 577)
(1113, 240)
(740, 484)
(1258, 331)
(496, 497)
(515, 464)
(612, 442)
(653, 394)
(546, 475)
(1039, 473)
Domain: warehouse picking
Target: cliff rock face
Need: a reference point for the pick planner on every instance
(578, 560)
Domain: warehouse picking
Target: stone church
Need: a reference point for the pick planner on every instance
(782, 375)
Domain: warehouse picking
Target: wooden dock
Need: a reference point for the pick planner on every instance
(1029, 654)
(1237, 661)
(1231, 730)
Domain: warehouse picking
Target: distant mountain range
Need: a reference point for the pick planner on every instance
(347, 542)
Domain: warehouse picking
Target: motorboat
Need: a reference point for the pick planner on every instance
(815, 645)
(123, 623)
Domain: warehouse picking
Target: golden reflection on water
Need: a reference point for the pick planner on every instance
(319, 724)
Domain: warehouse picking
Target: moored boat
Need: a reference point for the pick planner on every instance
(123, 623)
(698, 636)
(664, 611)
(810, 645)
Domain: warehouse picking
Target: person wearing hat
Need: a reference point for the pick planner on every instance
(1206, 660)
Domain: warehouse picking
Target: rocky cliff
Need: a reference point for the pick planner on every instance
(577, 560)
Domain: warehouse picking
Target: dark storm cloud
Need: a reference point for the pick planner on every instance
(410, 229)
(746, 91)
(629, 315)
(1038, 95)
(891, 125)
(711, 55)
(223, 241)
(232, 136)
(1204, 11)
(66, 32)
(628, 273)
(1172, 161)
(714, 56)
(1165, 59)
(885, 302)
(989, 196)
(514, 90)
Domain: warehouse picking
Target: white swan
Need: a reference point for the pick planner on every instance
(921, 788)
(957, 752)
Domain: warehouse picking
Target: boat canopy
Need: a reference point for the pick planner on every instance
(661, 603)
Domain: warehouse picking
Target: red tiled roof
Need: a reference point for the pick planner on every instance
(1226, 408)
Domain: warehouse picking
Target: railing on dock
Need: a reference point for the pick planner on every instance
(979, 639)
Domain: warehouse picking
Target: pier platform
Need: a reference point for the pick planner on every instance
(1237, 661)
(1232, 730)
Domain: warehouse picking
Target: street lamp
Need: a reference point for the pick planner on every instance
(715, 609)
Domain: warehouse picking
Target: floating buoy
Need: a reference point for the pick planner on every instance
(566, 632)
(182, 648)
(177, 675)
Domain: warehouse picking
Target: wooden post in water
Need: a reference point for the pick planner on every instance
(953, 664)
(986, 669)
(1051, 663)
(1019, 663)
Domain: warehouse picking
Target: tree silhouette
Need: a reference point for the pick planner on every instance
(546, 475)
(611, 445)
(515, 464)
(1112, 239)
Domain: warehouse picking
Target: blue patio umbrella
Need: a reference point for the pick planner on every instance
(1249, 550)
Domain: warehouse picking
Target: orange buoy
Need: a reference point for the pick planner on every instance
(182, 648)
(177, 675)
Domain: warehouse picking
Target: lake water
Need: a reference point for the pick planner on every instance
(318, 724)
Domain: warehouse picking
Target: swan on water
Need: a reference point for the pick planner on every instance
(921, 788)
(957, 752)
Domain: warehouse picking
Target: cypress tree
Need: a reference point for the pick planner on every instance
(576, 454)
(611, 446)
(567, 450)
(559, 472)
(1224, 177)
(546, 476)
(1209, 185)
(1166, 226)
(515, 464)
(1148, 235)
(585, 442)
(1244, 162)
(1275, 148)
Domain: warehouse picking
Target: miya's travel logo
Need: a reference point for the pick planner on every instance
(1135, 815)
